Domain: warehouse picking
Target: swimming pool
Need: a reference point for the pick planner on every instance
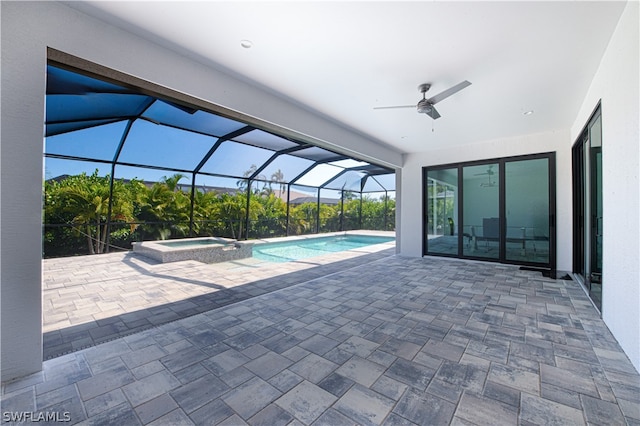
(288, 251)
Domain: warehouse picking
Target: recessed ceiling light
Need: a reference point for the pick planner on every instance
(528, 112)
(246, 44)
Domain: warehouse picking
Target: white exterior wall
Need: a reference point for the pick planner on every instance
(411, 213)
(616, 85)
(28, 28)
(21, 143)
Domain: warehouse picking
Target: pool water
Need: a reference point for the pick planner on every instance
(190, 243)
(301, 249)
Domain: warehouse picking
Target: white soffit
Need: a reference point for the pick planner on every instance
(342, 59)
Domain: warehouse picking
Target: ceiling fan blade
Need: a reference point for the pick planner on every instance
(489, 172)
(394, 107)
(450, 91)
(433, 113)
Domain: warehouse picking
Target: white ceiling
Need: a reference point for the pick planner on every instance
(342, 59)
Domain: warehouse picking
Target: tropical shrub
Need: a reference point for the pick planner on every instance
(83, 202)
(76, 210)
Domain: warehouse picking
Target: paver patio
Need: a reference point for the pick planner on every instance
(89, 300)
(395, 340)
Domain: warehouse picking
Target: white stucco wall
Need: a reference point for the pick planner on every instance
(21, 144)
(616, 84)
(28, 28)
(411, 214)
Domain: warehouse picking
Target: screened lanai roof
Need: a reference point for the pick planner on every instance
(92, 120)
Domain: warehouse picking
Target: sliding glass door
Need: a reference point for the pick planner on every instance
(501, 210)
(442, 210)
(527, 211)
(481, 210)
(587, 208)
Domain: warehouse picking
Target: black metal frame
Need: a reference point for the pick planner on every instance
(579, 205)
(502, 161)
(70, 63)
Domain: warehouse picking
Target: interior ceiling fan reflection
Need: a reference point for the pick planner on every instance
(489, 173)
(426, 106)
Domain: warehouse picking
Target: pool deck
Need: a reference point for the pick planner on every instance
(373, 338)
(89, 300)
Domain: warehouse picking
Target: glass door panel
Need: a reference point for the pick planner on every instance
(595, 163)
(442, 211)
(588, 213)
(527, 211)
(481, 205)
(579, 243)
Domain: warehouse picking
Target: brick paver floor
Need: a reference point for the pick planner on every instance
(89, 300)
(391, 341)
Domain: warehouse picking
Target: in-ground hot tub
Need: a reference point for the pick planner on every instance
(205, 249)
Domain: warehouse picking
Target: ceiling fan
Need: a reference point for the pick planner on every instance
(489, 172)
(491, 183)
(426, 106)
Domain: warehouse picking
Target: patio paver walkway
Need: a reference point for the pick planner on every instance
(89, 300)
(395, 341)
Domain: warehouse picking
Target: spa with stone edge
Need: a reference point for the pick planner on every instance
(205, 249)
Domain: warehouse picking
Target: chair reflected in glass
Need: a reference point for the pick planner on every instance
(490, 233)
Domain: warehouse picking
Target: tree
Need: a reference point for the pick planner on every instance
(233, 210)
(302, 218)
(84, 202)
(273, 218)
(205, 221)
(76, 211)
(278, 177)
(166, 209)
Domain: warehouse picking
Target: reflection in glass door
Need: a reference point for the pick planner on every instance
(442, 211)
(596, 224)
(587, 202)
(527, 210)
(481, 206)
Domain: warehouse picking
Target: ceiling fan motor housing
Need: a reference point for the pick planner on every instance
(424, 106)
